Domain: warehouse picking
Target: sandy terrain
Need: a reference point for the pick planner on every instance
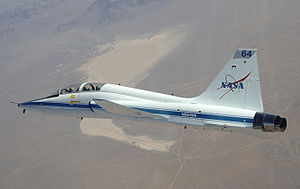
(128, 61)
(105, 127)
(44, 42)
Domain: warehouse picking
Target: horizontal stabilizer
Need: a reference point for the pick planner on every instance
(118, 109)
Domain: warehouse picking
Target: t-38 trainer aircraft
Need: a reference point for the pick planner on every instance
(233, 100)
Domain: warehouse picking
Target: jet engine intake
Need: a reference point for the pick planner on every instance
(269, 122)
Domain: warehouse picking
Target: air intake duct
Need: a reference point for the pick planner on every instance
(269, 122)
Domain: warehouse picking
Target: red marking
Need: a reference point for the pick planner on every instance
(224, 94)
(241, 80)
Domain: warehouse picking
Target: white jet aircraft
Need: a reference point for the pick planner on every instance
(232, 100)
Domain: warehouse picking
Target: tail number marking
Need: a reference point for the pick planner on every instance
(246, 53)
(186, 114)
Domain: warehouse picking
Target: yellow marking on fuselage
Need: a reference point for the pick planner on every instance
(72, 96)
(72, 102)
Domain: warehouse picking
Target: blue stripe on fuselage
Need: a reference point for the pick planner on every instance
(201, 116)
(153, 111)
(77, 105)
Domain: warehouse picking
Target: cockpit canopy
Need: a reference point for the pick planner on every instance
(78, 87)
(69, 89)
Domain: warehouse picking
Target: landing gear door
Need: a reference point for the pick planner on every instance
(95, 107)
(91, 104)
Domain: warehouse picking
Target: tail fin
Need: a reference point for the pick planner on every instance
(237, 85)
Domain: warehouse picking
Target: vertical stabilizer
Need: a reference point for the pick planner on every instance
(237, 85)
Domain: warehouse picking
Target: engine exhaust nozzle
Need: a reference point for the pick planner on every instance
(269, 122)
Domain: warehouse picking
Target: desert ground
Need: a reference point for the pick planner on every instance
(168, 46)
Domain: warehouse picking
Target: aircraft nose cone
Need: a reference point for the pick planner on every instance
(29, 104)
(33, 105)
(24, 104)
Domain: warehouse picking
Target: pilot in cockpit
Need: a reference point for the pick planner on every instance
(88, 87)
(84, 87)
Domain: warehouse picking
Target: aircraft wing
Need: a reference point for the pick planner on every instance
(118, 109)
